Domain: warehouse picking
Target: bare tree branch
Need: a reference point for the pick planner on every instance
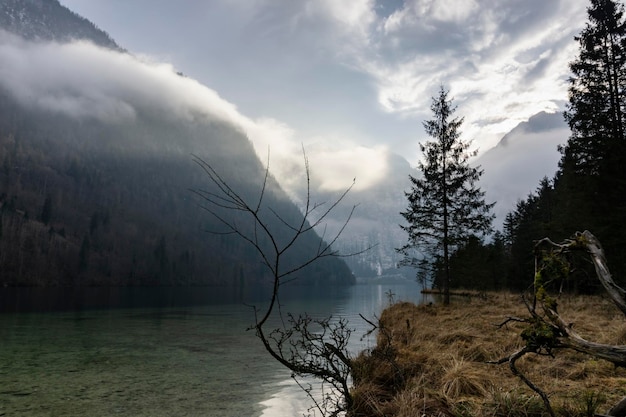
(547, 331)
(306, 346)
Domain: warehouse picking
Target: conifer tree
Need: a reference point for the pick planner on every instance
(595, 112)
(445, 204)
(532, 217)
(591, 182)
(589, 190)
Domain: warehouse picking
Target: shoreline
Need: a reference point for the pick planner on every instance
(433, 359)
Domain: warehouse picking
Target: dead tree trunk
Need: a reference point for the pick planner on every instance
(547, 331)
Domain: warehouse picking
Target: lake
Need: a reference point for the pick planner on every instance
(161, 351)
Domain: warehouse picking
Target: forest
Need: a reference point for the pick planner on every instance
(588, 191)
(89, 203)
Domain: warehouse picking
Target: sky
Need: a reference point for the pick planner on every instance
(341, 75)
(361, 70)
(351, 81)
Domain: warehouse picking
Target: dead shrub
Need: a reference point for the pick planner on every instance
(369, 400)
(501, 403)
(461, 379)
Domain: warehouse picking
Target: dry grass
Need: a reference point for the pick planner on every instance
(431, 361)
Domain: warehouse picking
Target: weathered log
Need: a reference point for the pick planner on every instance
(548, 331)
(615, 354)
(454, 293)
(619, 409)
(594, 248)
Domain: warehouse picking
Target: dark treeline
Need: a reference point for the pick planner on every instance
(588, 191)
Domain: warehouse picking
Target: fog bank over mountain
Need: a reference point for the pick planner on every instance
(96, 168)
(82, 80)
(525, 155)
(86, 82)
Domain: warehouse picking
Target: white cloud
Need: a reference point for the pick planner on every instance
(322, 66)
(353, 16)
(445, 10)
(82, 80)
(85, 81)
(503, 61)
(334, 167)
(334, 162)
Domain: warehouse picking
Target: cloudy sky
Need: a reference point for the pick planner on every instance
(352, 80)
(360, 72)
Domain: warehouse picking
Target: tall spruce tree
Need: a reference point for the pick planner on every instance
(445, 205)
(533, 217)
(595, 112)
(591, 182)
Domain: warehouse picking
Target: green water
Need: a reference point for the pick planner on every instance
(159, 361)
(134, 363)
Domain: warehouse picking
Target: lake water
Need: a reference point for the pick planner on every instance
(160, 352)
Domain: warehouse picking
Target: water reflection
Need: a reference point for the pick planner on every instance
(144, 352)
(367, 299)
(23, 300)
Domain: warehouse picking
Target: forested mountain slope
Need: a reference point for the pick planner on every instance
(94, 195)
(47, 20)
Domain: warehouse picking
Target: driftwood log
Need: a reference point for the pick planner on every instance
(547, 331)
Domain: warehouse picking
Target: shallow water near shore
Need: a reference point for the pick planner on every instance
(182, 360)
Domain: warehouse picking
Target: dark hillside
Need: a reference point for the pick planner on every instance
(85, 200)
(47, 20)
(94, 204)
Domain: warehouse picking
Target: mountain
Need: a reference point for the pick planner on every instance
(48, 20)
(525, 155)
(373, 231)
(512, 169)
(96, 167)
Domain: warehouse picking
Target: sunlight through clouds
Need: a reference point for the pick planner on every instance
(499, 66)
(324, 66)
(337, 76)
(446, 10)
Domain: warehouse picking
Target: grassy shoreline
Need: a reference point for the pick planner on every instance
(431, 360)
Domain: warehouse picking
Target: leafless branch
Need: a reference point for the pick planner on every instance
(306, 346)
(511, 319)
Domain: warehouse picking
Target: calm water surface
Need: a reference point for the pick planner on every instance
(165, 352)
